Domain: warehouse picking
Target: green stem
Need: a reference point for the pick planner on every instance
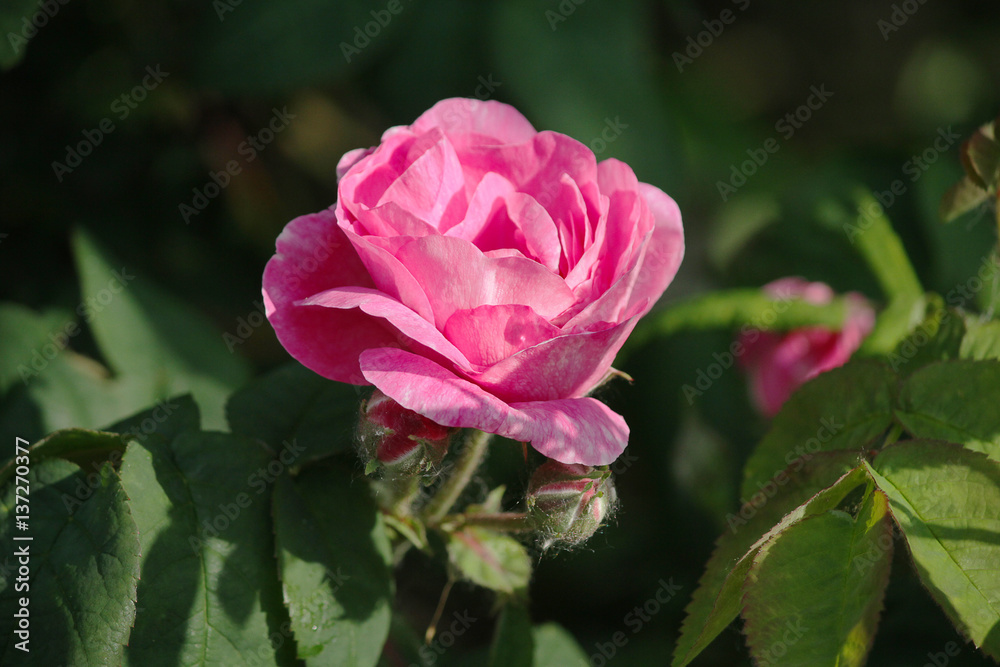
(465, 467)
(883, 251)
(505, 522)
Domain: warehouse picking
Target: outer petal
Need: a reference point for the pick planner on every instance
(312, 255)
(568, 366)
(410, 327)
(483, 120)
(581, 430)
(665, 250)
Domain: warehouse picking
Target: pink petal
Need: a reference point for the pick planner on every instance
(541, 238)
(410, 327)
(312, 255)
(665, 251)
(489, 334)
(388, 273)
(486, 201)
(568, 366)
(581, 430)
(433, 176)
(456, 275)
(480, 120)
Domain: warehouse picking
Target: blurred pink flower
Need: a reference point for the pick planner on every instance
(778, 363)
(481, 274)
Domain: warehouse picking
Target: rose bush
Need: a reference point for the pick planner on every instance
(481, 274)
(778, 363)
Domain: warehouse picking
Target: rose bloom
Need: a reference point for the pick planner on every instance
(778, 363)
(481, 274)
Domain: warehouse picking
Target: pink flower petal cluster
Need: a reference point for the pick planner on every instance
(778, 363)
(481, 274)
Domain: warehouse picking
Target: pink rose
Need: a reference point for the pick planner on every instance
(481, 274)
(779, 363)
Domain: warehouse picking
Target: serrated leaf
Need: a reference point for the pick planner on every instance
(293, 403)
(87, 449)
(811, 487)
(493, 560)
(555, 647)
(955, 401)
(513, 640)
(167, 419)
(946, 501)
(335, 563)
(153, 339)
(844, 408)
(938, 337)
(83, 562)
(814, 594)
(209, 592)
(982, 341)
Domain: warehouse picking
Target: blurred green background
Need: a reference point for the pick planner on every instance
(188, 87)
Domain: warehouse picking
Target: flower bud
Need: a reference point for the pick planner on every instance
(400, 440)
(569, 501)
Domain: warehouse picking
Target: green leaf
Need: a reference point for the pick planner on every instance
(294, 404)
(335, 564)
(845, 408)
(892, 324)
(946, 501)
(84, 567)
(961, 198)
(937, 338)
(981, 157)
(15, 26)
(982, 340)
(555, 647)
(87, 449)
(810, 487)
(156, 341)
(954, 401)
(167, 419)
(883, 250)
(26, 343)
(513, 640)
(814, 594)
(209, 593)
(493, 560)
(733, 309)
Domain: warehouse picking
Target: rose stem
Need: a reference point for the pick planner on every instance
(465, 467)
